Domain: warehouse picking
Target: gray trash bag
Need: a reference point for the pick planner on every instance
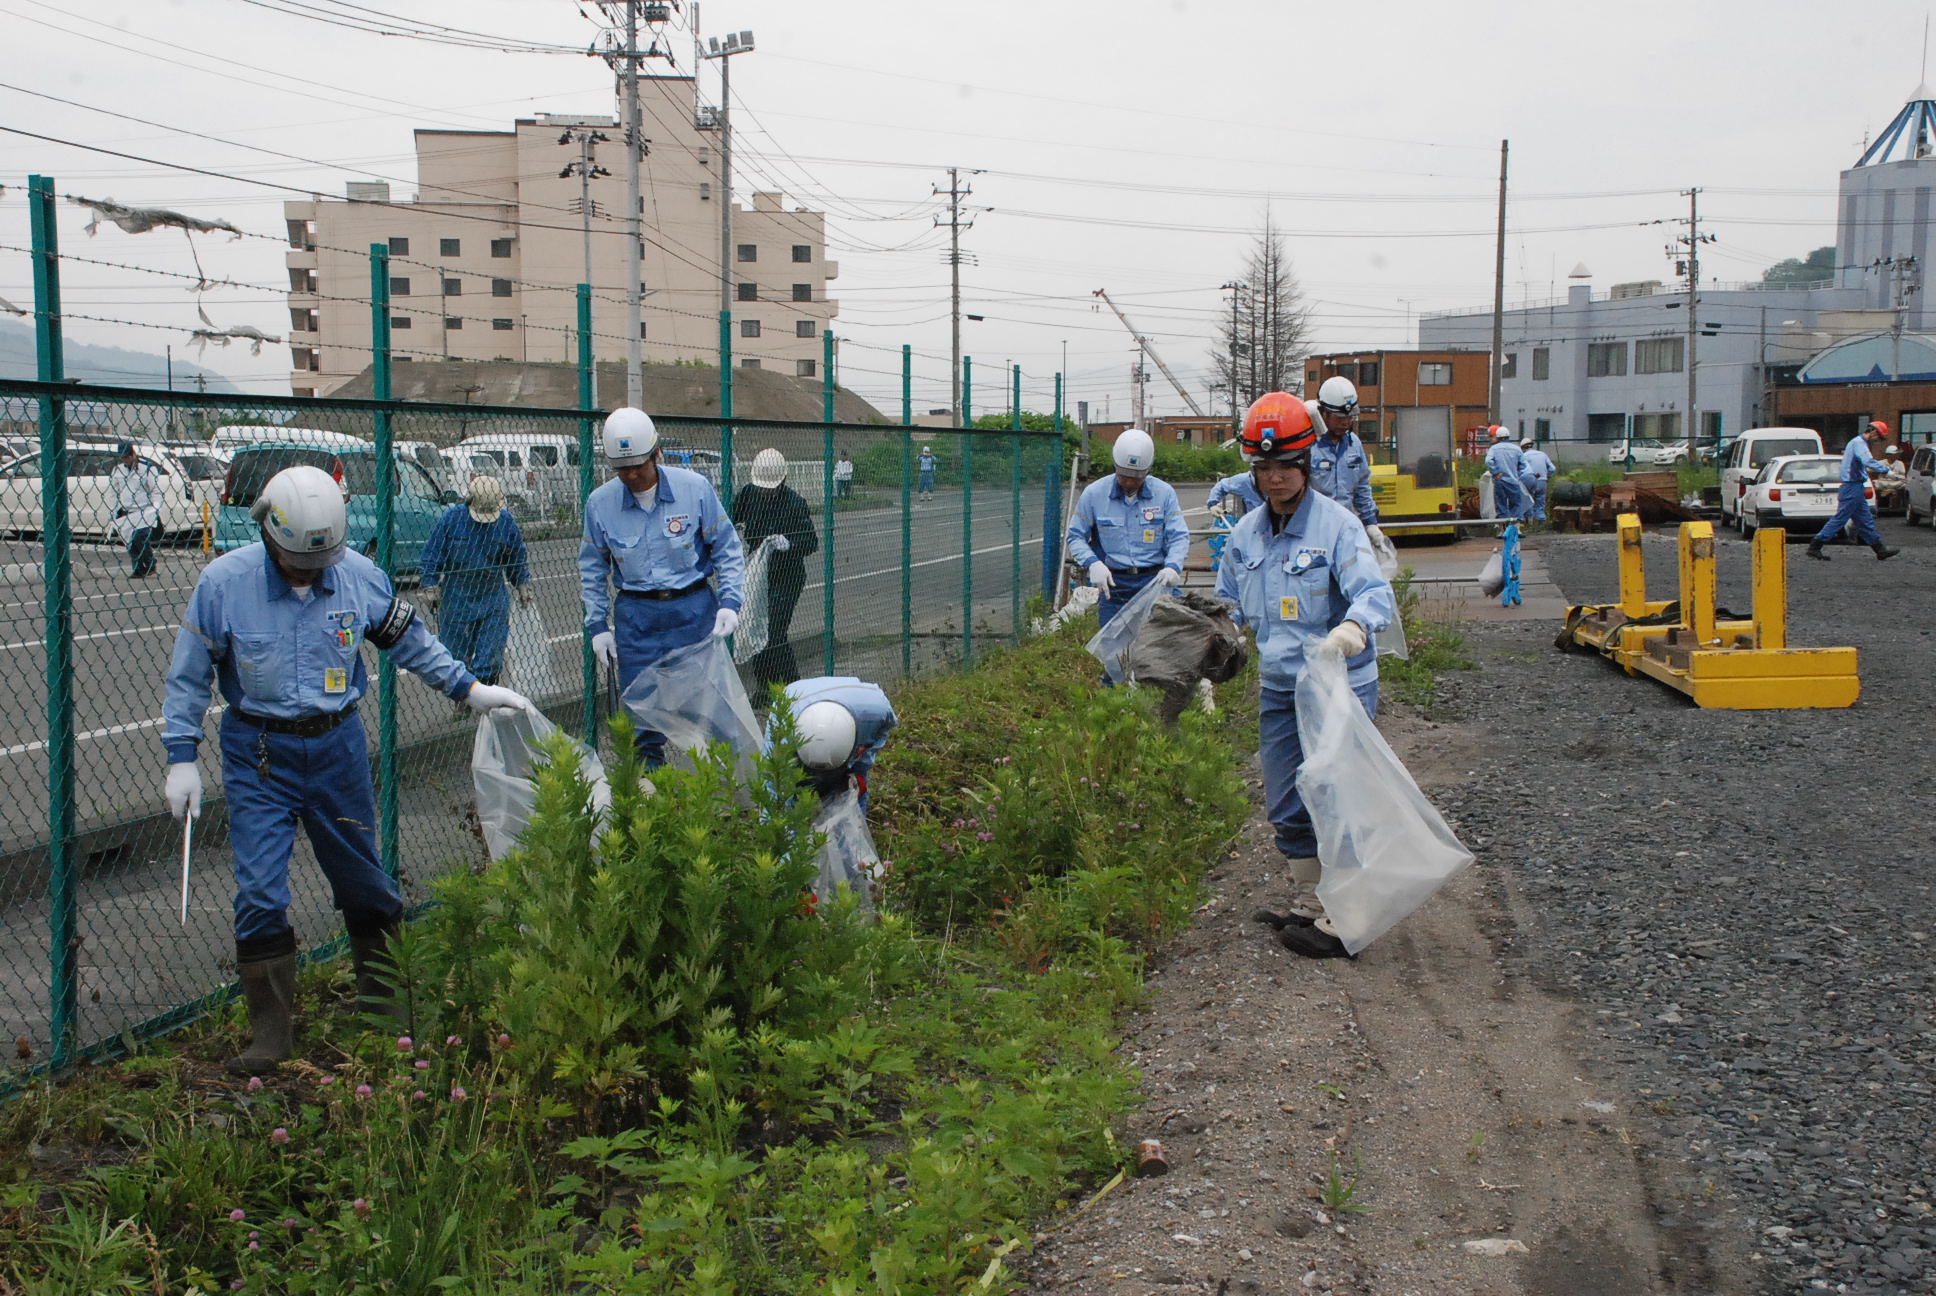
(750, 640)
(503, 759)
(1492, 577)
(693, 696)
(1390, 640)
(1385, 848)
(847, 857)
(1186, 639)
(1112, 643)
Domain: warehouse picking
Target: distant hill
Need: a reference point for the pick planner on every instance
(107, 366)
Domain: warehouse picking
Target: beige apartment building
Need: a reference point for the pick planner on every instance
(485, 257)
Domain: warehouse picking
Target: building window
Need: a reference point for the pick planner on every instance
(1657, 427)
(500, 247)
(1542, 429)
(399, 321)
(1435, 375)
(453, 287)
(1710, 420)
(749, 292)
(1606, 427)
(803, 292)
(803, 252)
(1542, 363)
(1368, 373)
(749, 363)
(749, 328)
(705, 190)
(500, 287)
(501, 325)
(1606, 359)
(303, 358)
(804, 328)
(399, 286)
(450, 247)
(1509, 365)
(302, 321)
(1659, 355)
(399, 247)
(453, 322)
(1310, 376)
(749, 252)
(1348, 370)
(803, 368)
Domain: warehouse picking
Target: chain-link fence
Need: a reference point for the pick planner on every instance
(909, 548)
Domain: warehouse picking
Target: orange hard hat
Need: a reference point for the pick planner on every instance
(1277, 423)
(1877, 425)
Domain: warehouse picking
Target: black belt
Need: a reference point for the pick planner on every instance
(308, 727)
(1137, 571)
(661, 596)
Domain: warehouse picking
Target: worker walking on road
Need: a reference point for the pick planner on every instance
(472, 551)
(1859, 464)
(657, 533)
(1302, 576)
(1340, 468)
(1503, 461)
(843, 477)
(926, 462)
(843, 724)
(769, 508)
(135, 492)
(1234, 496)
(277, 626)
(1128, 529)
(1535, 470)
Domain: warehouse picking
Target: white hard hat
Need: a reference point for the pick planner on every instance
(1134, 452)
(769, 468)
(1338, 395)
(303, 517)
(1525, 443)
(486, 498)
(630, 437)
(826, 735)
(1317, 414)
(1501, 433)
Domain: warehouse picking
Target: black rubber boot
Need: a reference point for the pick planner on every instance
(1311, 942)
(1883, 551)
(370, 962)
(269, 991)
(1278, 922)
(1815, 550)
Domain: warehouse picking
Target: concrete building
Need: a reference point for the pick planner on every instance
(484, 258)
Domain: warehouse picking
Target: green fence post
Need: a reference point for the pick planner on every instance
(58, 609)
(967, 512)
(1015, 512)
(907, 510)
(386, 476)
(587, 400)
(1052, 504)
(827, 489)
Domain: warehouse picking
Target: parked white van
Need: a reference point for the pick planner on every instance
(539, 470)
(1750, 453)
(90, 502)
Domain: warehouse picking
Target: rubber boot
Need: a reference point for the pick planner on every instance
(1305, 907)
(1883, 551)
(1815, 550)
(370, 962)
(1315, 941)
(269, 992)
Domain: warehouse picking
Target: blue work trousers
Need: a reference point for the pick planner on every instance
(648, 629)
(1850, 508)
(475, 631)
(927, 484)
(1124, 588)
(323, 783)
(141, 552)
(1535, 498)
(1282, 755)
(1508, 500)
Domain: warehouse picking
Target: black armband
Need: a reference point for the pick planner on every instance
(390, 630)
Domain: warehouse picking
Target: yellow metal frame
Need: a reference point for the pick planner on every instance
(1400, 499)
(1721, 664)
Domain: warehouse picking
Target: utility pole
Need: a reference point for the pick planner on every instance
(1689, 249)
(634, 203)
(735, 43)
(955, 224)
(1498, 291)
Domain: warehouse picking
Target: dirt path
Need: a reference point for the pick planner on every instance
(1431, 1068)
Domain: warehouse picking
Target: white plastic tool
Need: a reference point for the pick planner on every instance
(188, 839)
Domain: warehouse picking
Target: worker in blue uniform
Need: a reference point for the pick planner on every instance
(1234, 496)
(1302, 575)
(926, 462)
(658, 534)
(473, 550)
(1503, 461)
(278, 625)
(1340, 467)
(1128, 528)
(1859, 464)
(843, 724)
(1536, 469)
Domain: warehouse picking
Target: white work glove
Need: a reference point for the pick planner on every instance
(1377, 536)
(430, 594)
(781, 544)
(1169, 576)
(1348, 638)
(605, 649)
(1101, 577)
(525, 597)
(183, 790)
(725, 622)
(484, 698)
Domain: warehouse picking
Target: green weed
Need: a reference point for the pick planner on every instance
(1339, 1195)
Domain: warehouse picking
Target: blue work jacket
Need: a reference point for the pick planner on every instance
(1294, 586)
(473, 559)
(684, 537)
(1535, 464)
(874, 717)
(1859, 463)
(1241, 486)
(274, 654)
(1504, 460)
(1145, 529)
(1341, 469)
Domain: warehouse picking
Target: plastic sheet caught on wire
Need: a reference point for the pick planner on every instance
(503, 762)
(1186, 639)
(1390, 640)
(750, 640)
(1385, 848)
(528, 666)
(1112, 643)
(847, 857)
(693, 696)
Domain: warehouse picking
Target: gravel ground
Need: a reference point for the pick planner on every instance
(1742, 902)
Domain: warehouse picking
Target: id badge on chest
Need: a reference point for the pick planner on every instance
(336, 679)
(1149, 536)
(1287, 608)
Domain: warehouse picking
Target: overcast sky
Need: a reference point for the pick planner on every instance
(1131, 145)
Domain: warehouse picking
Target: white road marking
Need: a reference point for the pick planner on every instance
(102, 634)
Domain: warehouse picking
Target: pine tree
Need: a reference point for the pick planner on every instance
(1264, 342)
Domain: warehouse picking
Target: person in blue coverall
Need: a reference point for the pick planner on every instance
(1340, 468)
(1536, 468)
(278, 626)
(843, 724)
(926, 461)
(1234, 496)
(1851, 503)
(1503, 461)
(656, 533)
(473, 550)
(1302, 575)
(1128, 528)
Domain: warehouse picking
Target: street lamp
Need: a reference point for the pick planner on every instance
(735, 43)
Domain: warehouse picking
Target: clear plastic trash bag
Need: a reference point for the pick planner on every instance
(749, 641)
(1492, 576)
(1112, 643)
(1385, 848)
(528, 667)
(693, 696)
(503, 759)
(1390, 640)
(847, 856)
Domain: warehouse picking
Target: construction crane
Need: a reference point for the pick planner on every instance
(1150, 351)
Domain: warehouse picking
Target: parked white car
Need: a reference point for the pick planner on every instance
(1795, 491)
(1644, 452)
(90, 504)
(1752, 451)
(1922, 475)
